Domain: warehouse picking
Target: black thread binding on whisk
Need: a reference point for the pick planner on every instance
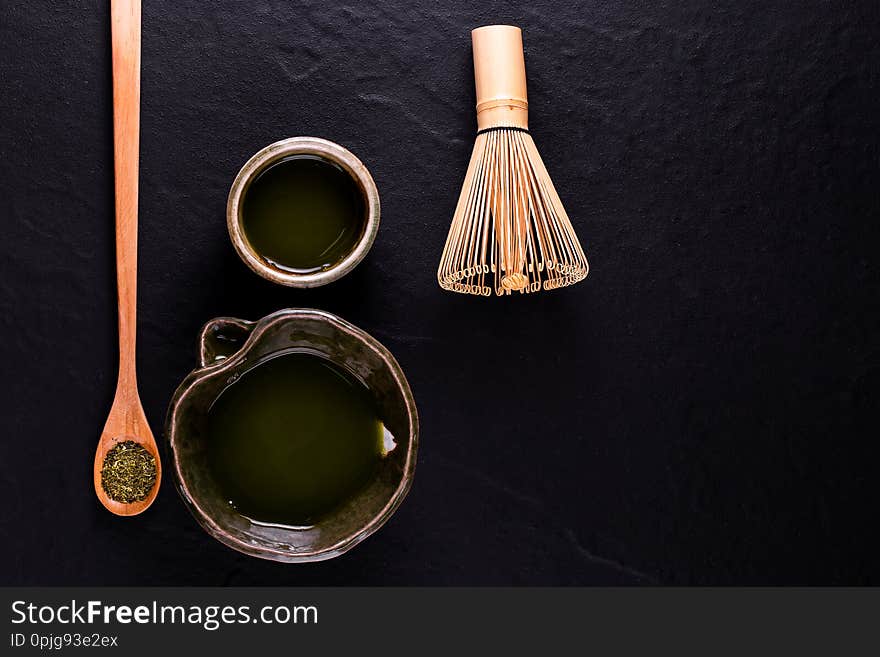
(502, 127)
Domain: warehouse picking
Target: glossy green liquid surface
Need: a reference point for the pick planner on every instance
(292, 438)
(303, 214)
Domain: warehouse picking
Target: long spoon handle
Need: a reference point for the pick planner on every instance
(125, 22)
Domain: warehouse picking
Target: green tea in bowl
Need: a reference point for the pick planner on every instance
(294, 437)
(303, 212)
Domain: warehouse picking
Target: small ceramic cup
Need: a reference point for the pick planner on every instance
(227, 348)
(268, 156)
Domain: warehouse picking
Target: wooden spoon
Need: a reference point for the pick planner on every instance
(126, 420)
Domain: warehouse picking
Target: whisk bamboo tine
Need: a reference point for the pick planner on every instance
(509, 222)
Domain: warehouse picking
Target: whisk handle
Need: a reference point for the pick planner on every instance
(500, 77)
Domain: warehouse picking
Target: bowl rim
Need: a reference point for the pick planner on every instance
(275, 152)
(351, 539)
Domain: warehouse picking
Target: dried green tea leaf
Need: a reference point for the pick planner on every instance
(128, 473)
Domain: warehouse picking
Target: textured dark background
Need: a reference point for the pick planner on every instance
(698, 411)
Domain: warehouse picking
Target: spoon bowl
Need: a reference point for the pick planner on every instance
(126, 422)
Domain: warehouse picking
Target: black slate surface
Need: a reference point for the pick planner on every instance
(699, 411)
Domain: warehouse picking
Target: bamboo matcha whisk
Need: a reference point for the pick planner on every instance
(509, 232)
